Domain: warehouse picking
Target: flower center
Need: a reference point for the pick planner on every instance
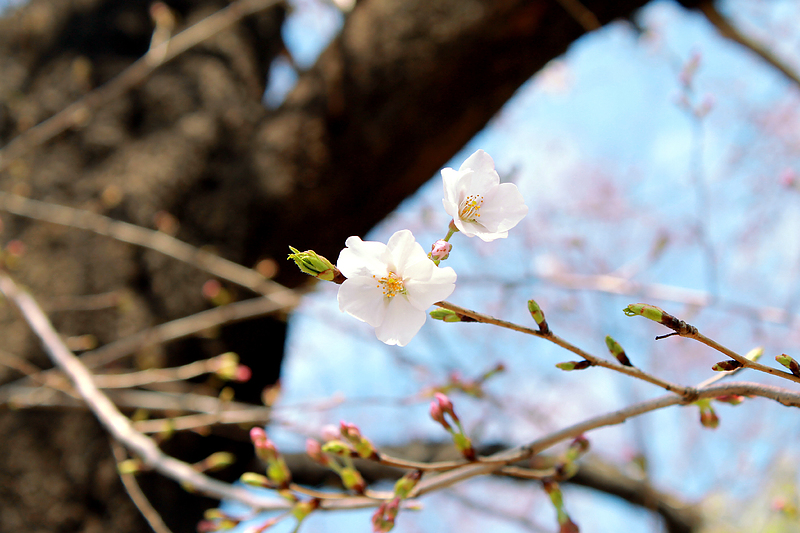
(391, 285)
(470, 208)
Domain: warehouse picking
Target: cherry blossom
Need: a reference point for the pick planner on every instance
(390, 286)
(479, 204)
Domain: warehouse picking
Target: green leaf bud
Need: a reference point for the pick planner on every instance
(789, 363)
(446, 315)
(617, 351)
(726, 366)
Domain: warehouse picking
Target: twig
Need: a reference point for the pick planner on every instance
(153, 240)
(132, 76)
(181, 328)
(727, 30)
(135, 492)
(648, 291)
(108, 415)
(581, 14)
(746, 363)
(170, 331)
(686, 392)
(158, 375)
(495, 462)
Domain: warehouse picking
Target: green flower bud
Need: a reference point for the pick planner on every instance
(789, 363)
(538, 316)
(352, 480)
(574, 365)
(227, 366)
(256, 480)
(648, 311)
(445, 315)
(218, 461)
(726, 366)
(755, 354)
(278, 472)
(313, 264)
(336, 447)
(406, 484)
(617, 351)
(302, 509)
(464, 445)
(129, 466)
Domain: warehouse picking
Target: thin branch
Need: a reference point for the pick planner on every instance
(649, 291)
(729, 31)
(170, 331)
(495, 462)
(114, 421)
(686, 392)
(153, 240)
(747, 363)
(78, 112)
(158, 375)
(581, 14)
(135, 492)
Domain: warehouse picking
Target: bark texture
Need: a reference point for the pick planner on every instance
(403, 87)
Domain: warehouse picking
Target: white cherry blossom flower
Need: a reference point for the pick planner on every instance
(479, 204)
(390, 286)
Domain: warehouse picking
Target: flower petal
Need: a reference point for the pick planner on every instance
(450, 179)
(361, 298)
(405, 250)
(363, 258)
(505, 210)
(424, 290)
(401, 323)
(480, 161)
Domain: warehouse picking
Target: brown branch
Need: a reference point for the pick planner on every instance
(158, 375)
(494, 462)
(686, 392)
(135, 492)
(581, 14)
(153, 240)
(729, 31)
(620, 285)
(78, 112)
(115, 422)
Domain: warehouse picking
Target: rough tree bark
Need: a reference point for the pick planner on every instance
(403, 87)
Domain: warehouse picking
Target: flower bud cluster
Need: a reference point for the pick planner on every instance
(339, 449)
(278, 473)
(441, 406)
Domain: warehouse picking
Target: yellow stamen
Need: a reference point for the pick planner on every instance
(391, 284)
(470, 207)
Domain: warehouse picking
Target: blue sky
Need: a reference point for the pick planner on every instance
(609, 163)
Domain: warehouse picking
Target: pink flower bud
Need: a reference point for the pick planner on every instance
(329, 432)
(438, 416)
(257, 434)
(445, 405)
(314, 451)
(440, 250)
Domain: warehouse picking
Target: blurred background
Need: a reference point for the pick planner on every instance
(659, 159)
